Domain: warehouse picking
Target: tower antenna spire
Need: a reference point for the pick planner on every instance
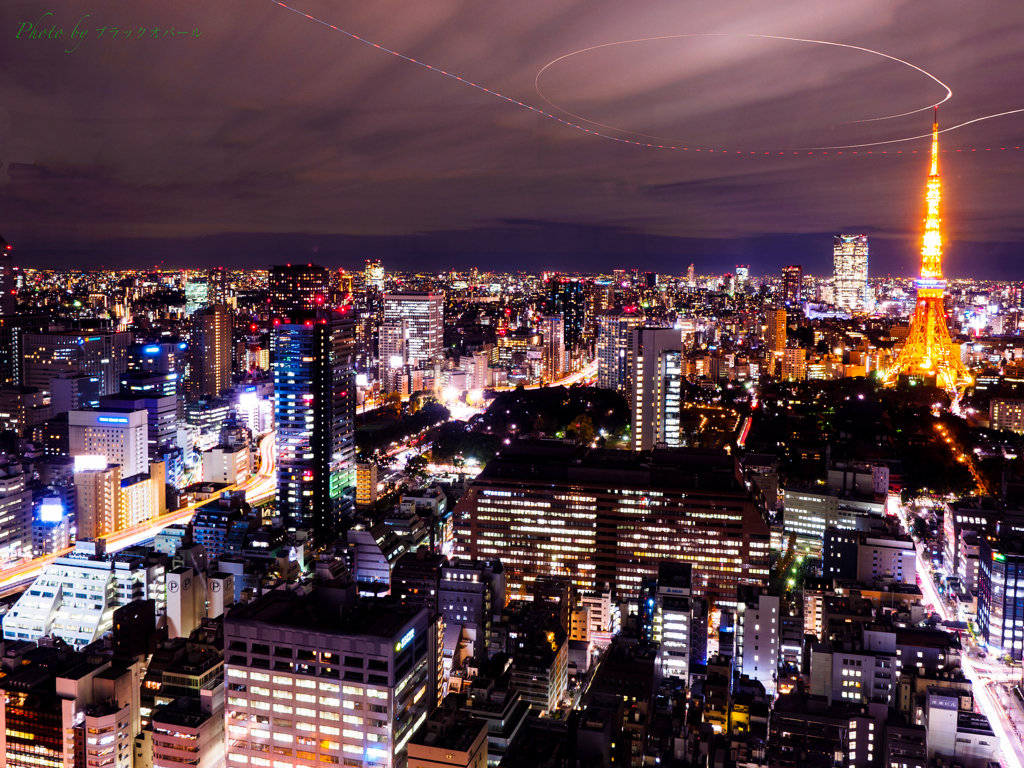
(929, 352)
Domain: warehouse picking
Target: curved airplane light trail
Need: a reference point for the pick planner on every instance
(947, 97)
(536, 80)
(577, 126)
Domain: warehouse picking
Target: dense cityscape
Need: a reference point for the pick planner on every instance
(366, 517)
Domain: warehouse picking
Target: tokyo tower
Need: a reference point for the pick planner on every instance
(929, 353)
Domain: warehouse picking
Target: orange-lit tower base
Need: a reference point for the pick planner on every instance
(929, 353)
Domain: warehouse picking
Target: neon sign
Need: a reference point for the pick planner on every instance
(401, 644)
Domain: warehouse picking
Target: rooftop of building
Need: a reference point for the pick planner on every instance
(185, 712)
(467, 564)
(558, 461)
(82, 670)
(456, 734)
(421, 558)
(380, 618)
(803, 706)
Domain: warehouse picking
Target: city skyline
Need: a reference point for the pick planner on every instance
(488, 249)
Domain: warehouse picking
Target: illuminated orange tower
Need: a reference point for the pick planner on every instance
(929, 352)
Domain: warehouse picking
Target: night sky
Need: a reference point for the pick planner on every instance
(270, 136)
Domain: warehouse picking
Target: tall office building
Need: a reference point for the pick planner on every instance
(657, 382)
(314, 384)
(742, 276)
(218, 287)
(615, 348)
(671, 610)
(793, 284)
(49, 356)
(120, 436)
(1000, 612)
(373, 276)
(357, 684)
(552, 328)
(775, 334)
(610, 517)
(210, 371)
(470, 594)
(98, 500)
(1007, 413)
(15, 513)
(850, 277)
(298, 289)
(12, 332)
(413, 331)
(8, 279)
(196, 292)
(564, 296)
(758, 626)
(22, 408)
(691, 278)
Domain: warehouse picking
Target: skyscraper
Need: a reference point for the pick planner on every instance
(210, 372)
(553, 329)
(742, 276)
(615, 348)
(412, 333)
(298, 288)
(373, 276)
(793, 284)
(314, 383)
(564, 296)
(850, 276)
(12, 333)
(691, 279)
(929, 352)
(218, 289)
(657, 362)
(8, 279)
(775, 335)
(671, 618)
(196, 292)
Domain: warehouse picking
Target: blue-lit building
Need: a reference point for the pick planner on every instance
(1001, 594)
(314, 382)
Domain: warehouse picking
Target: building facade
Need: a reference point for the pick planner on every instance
(210, 365)
(657, 388)
(615, 348)
(325, 689)
(850, 272)
(314, 383)
(610, 517)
